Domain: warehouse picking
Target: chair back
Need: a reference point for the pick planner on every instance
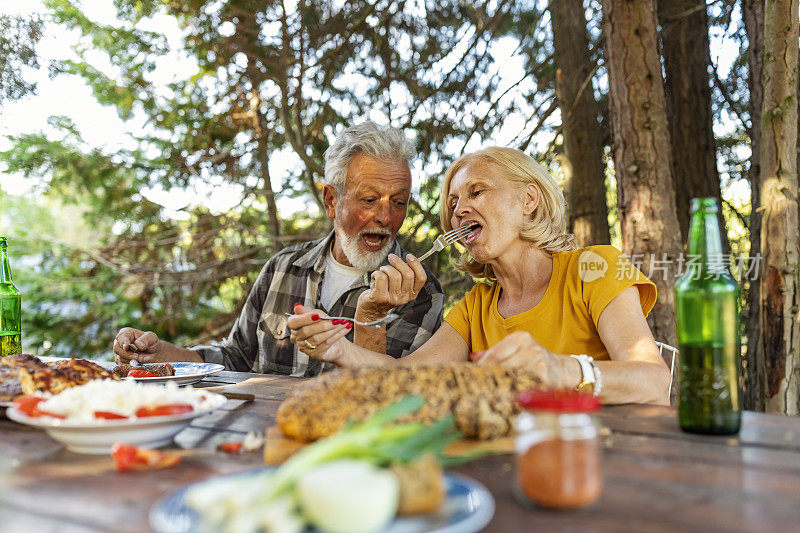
(669, 354)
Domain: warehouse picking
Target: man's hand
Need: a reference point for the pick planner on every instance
(520, 350)
(142, 346)
(395, 284)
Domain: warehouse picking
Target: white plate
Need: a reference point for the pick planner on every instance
(97, 438)
(468, 507)
(185, 373)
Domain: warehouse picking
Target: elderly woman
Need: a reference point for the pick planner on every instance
(574, 317)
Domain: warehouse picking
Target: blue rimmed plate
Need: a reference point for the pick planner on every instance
(186, 373)
(467, 508)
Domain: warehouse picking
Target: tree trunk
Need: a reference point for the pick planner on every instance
(580, 112)
(684, 39)
(642, 152)
(272, 206)
(753, 372)
(262, 135)
(779, 228)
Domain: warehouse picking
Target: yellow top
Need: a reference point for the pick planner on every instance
(583, 283)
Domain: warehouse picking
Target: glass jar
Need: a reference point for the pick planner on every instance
(557, 448)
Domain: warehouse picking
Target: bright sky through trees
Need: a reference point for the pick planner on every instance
(101, 126)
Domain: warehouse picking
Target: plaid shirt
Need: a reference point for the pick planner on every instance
(259, 341)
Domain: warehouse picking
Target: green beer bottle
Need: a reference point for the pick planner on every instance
(10, 307)
(706, 299)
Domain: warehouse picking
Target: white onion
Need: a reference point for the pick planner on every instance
(349, 496)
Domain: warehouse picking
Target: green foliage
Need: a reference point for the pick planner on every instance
(269, 85)
(266, 88)
(18, 38)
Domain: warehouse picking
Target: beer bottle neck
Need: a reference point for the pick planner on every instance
(5, 269)
(705, 241)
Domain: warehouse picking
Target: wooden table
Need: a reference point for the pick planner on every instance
(656, 478)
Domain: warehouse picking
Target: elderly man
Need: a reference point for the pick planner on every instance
(366, 193)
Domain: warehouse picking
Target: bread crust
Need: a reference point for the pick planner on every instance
(480, 397)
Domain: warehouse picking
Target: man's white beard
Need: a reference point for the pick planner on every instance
(356, 254)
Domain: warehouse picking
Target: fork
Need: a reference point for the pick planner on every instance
(132, 348)
(373, 324)
(446, 239)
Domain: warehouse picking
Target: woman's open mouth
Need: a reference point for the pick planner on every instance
(374, 241)
(472, 235)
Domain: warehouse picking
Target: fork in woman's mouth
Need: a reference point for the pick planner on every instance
(473, 234)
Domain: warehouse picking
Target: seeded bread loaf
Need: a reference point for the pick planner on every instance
(480, 397)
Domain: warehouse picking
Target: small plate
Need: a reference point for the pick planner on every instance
(97, 438)
(468, 507)
(185, 373)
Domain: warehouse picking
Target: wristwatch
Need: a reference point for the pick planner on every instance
(589, 380)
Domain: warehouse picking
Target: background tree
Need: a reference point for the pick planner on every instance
(273, 85)
(267, 85)
(753, 368)
(779, 289)
(580, 126)
(18, 38)
(685, 49)
(642, 152)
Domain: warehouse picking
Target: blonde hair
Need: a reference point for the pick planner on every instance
(547, 227)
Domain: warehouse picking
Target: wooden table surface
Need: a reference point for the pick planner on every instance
(656, 477)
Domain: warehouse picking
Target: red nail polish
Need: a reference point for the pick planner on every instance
(296, 306)
(349, 325)
(335, 321)
(315, 316)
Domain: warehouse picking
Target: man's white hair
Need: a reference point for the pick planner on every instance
(383, 143)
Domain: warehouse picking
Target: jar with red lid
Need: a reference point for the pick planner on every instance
(557, 448)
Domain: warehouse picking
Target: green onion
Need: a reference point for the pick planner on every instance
(377, 440)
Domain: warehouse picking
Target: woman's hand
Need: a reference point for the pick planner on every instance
(395, 284)
(320, 339)
(520, 350)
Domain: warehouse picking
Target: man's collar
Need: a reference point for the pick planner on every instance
(315, 256)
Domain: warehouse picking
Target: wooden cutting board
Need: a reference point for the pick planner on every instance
(278, 447)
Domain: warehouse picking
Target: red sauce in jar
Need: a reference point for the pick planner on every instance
(558, 453)
(562, 474)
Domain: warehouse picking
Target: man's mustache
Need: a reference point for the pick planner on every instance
(378, 231)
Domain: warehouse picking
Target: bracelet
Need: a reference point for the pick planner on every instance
(598, 377)
(588, 375)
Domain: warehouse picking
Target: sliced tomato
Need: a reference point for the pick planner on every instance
(164, 410)
(136, 373)
(108, 415)
(128, 457)
(29, 406)
(124, 456)
(231, 447)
